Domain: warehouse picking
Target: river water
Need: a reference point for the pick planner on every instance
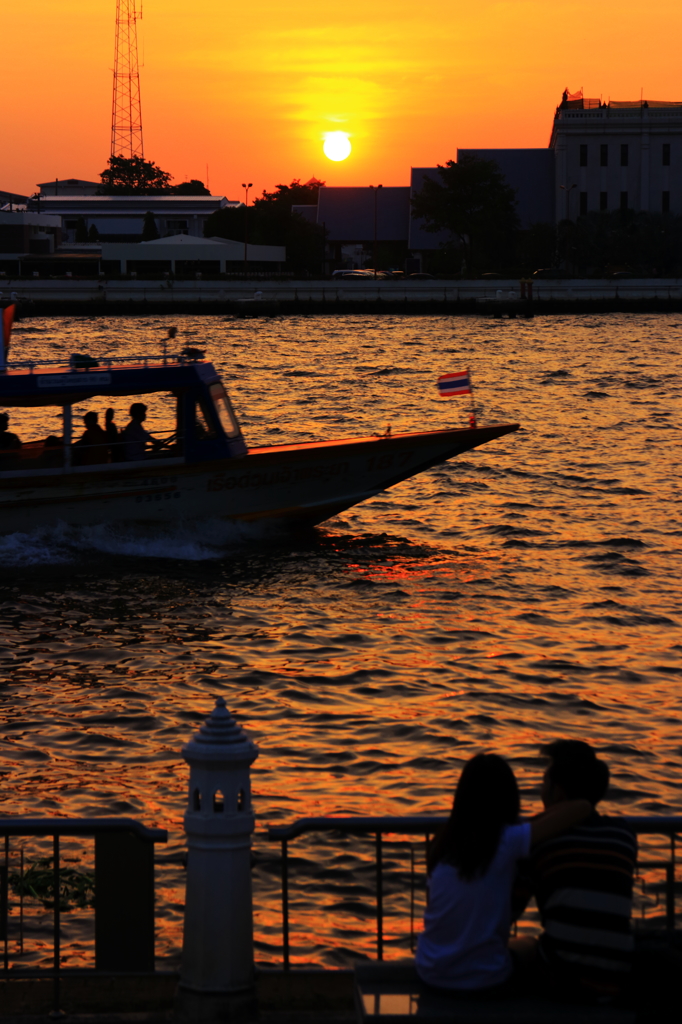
(528, 590)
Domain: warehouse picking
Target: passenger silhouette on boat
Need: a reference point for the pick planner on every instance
(91, 449)
(135, 436)
(114, 437)
(8, 440)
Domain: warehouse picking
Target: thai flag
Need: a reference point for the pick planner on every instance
(6, 321)
(452, 384)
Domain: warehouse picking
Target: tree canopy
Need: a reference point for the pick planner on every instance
(294, 194)
(149, 228)
(131, 176)
(270, 221)
(473, 201)
(191, 188)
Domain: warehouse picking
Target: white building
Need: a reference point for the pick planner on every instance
(617, 156)
(120, 218)
(184, 253)
(69, 187)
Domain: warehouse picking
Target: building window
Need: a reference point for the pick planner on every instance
(177, 227)
(666, 154)
(583, 154)
(665, 202)
(583, 203)
(603, 200)
(623, 202)
(604, 155)
(624, 155)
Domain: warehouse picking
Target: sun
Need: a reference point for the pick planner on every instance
(336, 145)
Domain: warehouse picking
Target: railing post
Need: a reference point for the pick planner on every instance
(217, 975)
(56, 993)
(380, 900)
(285, 904)
(4, 905)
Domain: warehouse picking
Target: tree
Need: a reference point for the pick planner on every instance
(272, 222)
(81, 230)
(605, 241)
(191, 188)
(473, 201)
(149, 229)
(294, 194)
(93, 234)
(133, 176)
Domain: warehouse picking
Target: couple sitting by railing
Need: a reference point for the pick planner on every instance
(484, 866)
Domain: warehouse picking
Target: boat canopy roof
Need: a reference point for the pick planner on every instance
(45, 384)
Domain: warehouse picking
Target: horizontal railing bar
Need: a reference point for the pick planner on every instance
(103, 362)
(407, 825)
(421, 824)
(79, 827)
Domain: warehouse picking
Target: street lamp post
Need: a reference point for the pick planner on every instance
(375, 189)
(246, 188)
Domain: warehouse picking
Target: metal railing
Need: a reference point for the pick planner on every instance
(123, 883)
(105, 362)
(426, 826)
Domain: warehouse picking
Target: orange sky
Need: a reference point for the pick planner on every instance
(250, 89)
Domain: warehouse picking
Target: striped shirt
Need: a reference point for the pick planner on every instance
(582, 881)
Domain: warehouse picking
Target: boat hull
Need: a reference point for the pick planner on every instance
(292, 484)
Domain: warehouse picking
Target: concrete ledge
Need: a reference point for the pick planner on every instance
(393, 994)
(89, 992)
(307, 991)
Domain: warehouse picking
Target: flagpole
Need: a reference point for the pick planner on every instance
(472, 414)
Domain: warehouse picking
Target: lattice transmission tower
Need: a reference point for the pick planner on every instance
(126, 111)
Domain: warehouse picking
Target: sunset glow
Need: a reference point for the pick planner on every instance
(249, 93)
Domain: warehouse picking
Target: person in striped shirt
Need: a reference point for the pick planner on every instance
(582, 881)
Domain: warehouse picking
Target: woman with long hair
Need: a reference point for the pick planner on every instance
(472, 864)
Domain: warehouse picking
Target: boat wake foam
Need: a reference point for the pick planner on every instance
(195, 541)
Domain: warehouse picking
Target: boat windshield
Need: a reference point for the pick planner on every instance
(224, 410)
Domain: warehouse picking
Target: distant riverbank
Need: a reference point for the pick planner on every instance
(97, 297)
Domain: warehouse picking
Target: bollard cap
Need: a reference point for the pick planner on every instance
(220, 740)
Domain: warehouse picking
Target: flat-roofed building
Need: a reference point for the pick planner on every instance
(120, 218)
(530, 172)
(184, 253)
(69, 187)
(22, 232)
(621, 155)
(350, 214)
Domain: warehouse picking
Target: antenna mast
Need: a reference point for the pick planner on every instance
(126, 113)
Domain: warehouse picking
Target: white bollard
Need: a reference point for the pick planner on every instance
(217, 975)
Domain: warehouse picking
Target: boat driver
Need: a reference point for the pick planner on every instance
(134, 436)
(9, 442)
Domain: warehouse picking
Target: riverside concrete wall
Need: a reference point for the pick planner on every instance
(73, 297)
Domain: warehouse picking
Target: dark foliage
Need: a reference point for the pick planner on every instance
(271, 222)
(475, 204)
(81, 230)
(133, 176)
(191, 188)
(642, 243)
(149, 228)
